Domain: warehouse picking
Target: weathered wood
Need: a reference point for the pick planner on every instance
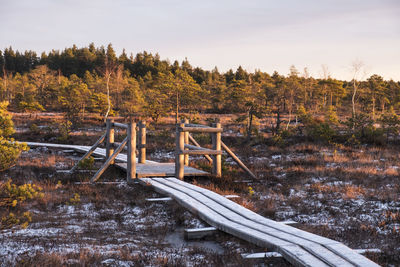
(232, 215)
(231, 196)
(159, 199)
(142, 142)
(156, 169)
(329, 244)
(108, 161)
(202, 152)
(131, 163)
(120, 125)
(89, 152)
(196, 125)
(216, 143)
(261, 255)
(237, 160)
(200, 129)
(109, 138)
(293, 253)
(186, 156)
(195, 147)
(197, 233)
(179, 157)
(198, 145)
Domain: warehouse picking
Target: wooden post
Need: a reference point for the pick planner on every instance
(131, 159)
(142, 142)
(186, 134)
(179, 157)
(110, 139)
(216, 143)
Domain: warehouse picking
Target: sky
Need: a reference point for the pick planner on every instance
(256, 34)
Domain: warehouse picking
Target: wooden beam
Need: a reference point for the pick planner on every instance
(198, 145)
(109, 138)
(237, 160)
(90, 151)
(202, 152)
(121, 125)
(179, 157)
(200, 129)
(196, 125)
(261, 255)
(142, 142)
(108, 161)
(216, 143)
(186, 157)
(198, 233)
(158, 199)
(131, 157)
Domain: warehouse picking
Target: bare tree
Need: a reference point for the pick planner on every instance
(356, 67)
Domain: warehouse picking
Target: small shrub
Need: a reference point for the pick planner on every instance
(87, 163)
(76, 199)
(13, 196)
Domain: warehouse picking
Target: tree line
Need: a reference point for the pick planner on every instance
(94, 79)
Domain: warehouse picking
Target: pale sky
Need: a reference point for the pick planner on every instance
(266, 35)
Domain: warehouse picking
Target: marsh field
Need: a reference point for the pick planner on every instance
(349, 193)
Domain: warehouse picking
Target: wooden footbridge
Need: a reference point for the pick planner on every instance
(298, 247)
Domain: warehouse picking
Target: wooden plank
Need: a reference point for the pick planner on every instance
(351, 255)
(198, 145)
(312, 247)
(108, 162)
(332, 245)
(198, 233)
(256, 217)
(200, 129)
(195, 147)
(196, 125)
(159, 199)
(261, 255)
(162, 170)
(121, 125)
(202, 152)
(293, 253)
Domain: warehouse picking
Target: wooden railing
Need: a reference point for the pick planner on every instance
(184, 149)
(112, 149)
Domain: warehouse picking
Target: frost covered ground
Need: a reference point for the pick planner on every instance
(347, 194)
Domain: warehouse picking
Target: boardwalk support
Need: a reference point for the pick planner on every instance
(111, 154)
(216, 151)
(183, 149)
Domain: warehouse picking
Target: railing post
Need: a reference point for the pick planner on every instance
(216, 143)
(142, 142)
(186, 121)
(179, 147)
(131, 164)
(110, 138)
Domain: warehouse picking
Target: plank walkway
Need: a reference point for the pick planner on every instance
(148, 169)
(298, 247)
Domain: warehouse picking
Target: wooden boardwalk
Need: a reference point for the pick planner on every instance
(148, 169)
(298, 247)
